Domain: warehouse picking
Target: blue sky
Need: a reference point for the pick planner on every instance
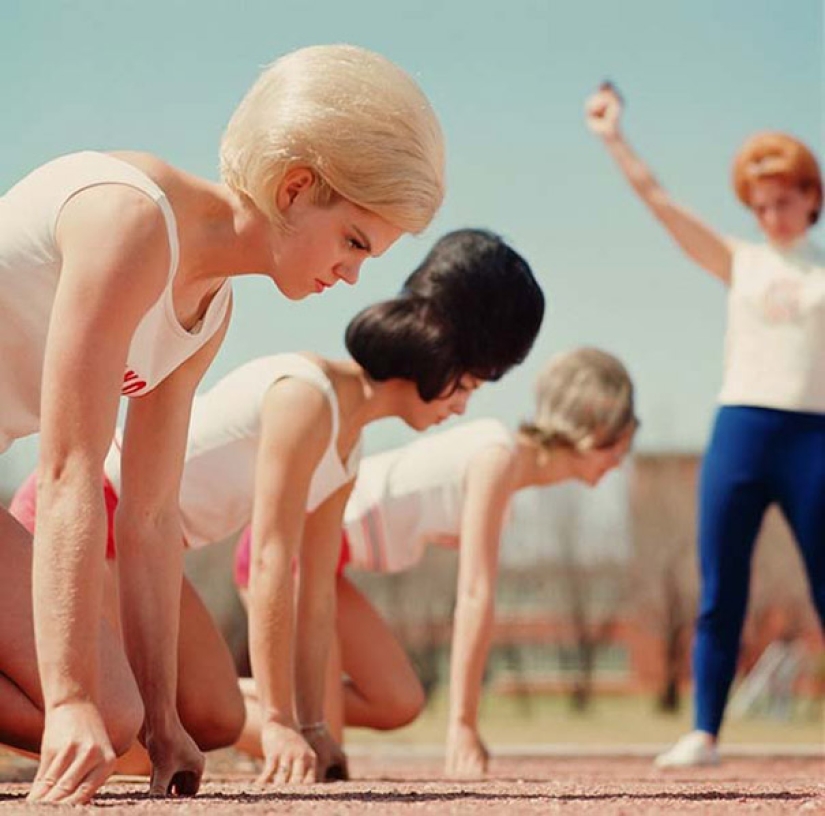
(508, 80)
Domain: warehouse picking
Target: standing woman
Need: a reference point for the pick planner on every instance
(454, 489)
(114, 280)
(768, 442)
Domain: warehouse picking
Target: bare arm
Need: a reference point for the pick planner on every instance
(315, 628)
(150, 563)
(115, 260)
(699, 241)
(490, 484)
(296, 425)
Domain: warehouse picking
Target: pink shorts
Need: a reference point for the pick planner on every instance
(24, 508)
(243, 551)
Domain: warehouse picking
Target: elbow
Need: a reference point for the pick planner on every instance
(271, 562)
(477, 598)
(58, 473)
(68, 485)
(137, 528)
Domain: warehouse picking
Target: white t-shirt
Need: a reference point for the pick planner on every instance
(218, 483)
(775, 344)
(409, 497)
(30, 263)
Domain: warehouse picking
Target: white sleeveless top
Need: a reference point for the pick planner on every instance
(30, 265)
(409, 497)
(218, 484)
(775, 344)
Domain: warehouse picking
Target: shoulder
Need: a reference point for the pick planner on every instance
(494, 461)
(745, 254)
(494, 430)
(816, 253)
(115, 225)
(484, 434)
(742, 247)
(296, 410)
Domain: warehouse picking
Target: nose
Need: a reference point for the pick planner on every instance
(348, 273)
(772, 218)
(459, 402)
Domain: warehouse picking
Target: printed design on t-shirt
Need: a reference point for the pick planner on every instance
(132, 383)
(781, 302)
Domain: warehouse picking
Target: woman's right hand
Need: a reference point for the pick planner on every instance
(288, 757)
(76, 756)
(467, 755)
(603, 111)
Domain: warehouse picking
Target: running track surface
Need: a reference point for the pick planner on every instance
(516, 785)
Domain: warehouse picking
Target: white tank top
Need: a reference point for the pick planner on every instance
(775, 344)
(218, 484)
(29, 272)
(409, 497)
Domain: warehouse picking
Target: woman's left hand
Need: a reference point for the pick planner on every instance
(177, 764)
(332, 761)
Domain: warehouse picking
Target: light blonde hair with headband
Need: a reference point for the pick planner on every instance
(584, 401)
(357, 120)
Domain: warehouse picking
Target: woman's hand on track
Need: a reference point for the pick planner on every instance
(76, 756)
(467, 755)
(332, 761)
(288, 757)
(177, 764)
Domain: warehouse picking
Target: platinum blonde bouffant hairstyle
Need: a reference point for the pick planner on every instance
(357, 120)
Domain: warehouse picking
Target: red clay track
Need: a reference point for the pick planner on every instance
(607, 787)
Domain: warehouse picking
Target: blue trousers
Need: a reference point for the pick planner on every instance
(757, 456)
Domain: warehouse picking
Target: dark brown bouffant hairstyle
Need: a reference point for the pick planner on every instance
(472, 307)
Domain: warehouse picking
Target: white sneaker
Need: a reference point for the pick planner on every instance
(692, 749)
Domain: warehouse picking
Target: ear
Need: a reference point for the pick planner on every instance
(815, 206)
(296, 180)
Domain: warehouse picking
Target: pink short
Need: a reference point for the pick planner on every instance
(244, 547)
(24, 508)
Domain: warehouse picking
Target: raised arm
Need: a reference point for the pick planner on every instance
(490, 484)
(699, 241)
(115, 259)
(296, 425)
(315, 629)
(150, 564)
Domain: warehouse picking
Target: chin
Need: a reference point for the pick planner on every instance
(416, 424)
(785, 239)
(291, 292)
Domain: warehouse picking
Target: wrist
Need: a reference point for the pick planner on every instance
(68, 701)
(465, 720)
(277, 716)
(161, 723)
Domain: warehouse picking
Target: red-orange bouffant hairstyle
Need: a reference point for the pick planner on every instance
(776, 155)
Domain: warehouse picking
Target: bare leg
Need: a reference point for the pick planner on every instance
(21, 700)
(250, 739)
(209, 701)
(210, 704)
(383, 690)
